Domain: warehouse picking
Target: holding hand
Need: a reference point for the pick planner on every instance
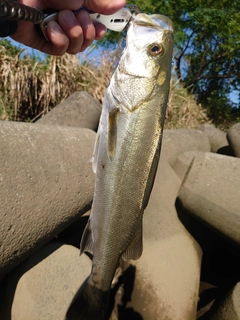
(72, 33)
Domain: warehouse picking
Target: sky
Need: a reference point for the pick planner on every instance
(235, 97)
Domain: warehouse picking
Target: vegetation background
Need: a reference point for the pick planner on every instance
(207, 50)
(206, 74)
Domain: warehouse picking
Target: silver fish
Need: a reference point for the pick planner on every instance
(126, 157)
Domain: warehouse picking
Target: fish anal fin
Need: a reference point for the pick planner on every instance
(112, 132)
(87, 241)
(134, 250)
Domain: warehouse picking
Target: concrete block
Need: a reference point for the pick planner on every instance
(79, 110)
(217, 138)
(183, 162)
(210, 192)
(42, 287)
(46, 183)
(233, 137)
(168, 273)
(226, 307)
(177, 141)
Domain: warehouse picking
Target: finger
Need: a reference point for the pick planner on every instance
(31, 36)
(100, 31)
(59, 41)
(61, 4)
(88, 28)
(71, 27)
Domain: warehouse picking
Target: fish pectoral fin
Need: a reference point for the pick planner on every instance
(112, 132)
(95, 151)
(87, 241)
(134, 250)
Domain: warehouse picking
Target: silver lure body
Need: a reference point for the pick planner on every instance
(127, 148)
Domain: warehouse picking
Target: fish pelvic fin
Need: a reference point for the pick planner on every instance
(135, 248)
(87, 241)
(89, 303)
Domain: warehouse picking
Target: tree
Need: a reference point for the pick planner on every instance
(207, 48)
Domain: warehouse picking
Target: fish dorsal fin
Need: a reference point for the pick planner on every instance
(87, 241)
(95, 151)
(134, 250)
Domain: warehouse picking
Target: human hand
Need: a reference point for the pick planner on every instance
(72, 33)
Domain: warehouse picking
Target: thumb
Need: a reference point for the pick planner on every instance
(104, 6)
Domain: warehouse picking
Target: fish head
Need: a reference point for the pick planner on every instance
(146, 61)
(149, 44)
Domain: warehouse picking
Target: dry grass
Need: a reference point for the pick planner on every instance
(182, 110)
(30, 88)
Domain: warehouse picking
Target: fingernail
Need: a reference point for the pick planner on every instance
(68, 17)
(102, 33)
(54, 27)
(84, 18)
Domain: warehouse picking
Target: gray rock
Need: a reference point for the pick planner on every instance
(210, 192)
(43, 286)
(167, 274)
(177, 141)
(227, 307)
(233, 137)
(78, 110)
(46, 183)
(217, 138)
(183, 162)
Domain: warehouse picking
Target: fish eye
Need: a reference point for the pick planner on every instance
(155, 50)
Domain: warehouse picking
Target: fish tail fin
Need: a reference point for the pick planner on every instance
(89, 303)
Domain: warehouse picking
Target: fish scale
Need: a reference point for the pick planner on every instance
(126, 157)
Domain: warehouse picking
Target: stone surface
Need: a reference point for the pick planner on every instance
(233, 137)
(167, 274)
(206, 298)
(43, 286)
(210, 192)
(177, 141)
(225, 308)
(217, 138)
(46, 183)
(78, 110)
(183, 162)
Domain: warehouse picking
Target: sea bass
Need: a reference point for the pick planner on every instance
(126, 156)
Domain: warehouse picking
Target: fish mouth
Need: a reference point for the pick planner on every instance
(157, 21)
